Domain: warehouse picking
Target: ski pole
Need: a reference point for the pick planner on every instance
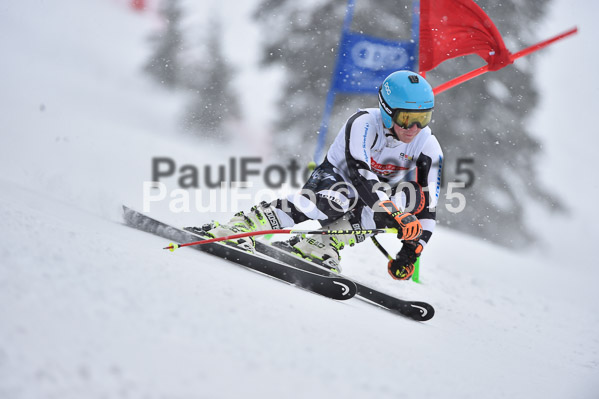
(381, 248)
(172, 246)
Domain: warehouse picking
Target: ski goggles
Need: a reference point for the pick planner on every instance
(405, 118)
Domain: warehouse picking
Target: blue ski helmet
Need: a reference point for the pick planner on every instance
(404, 90)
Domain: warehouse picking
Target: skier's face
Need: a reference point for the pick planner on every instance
(406, 135)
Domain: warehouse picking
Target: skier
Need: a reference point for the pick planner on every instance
(382, 170)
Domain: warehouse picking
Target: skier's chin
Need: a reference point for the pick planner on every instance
(405, 135)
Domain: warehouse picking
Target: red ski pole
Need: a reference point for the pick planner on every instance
(172, 246)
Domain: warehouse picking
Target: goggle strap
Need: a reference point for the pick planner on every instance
(386, 106)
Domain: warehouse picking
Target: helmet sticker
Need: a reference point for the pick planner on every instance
(387, 88)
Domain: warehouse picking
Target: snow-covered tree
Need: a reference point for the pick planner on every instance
(164, 64)
(209, 78)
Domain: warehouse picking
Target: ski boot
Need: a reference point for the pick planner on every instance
(323, 249)
(261, 217)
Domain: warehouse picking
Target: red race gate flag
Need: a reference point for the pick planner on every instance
(138, 5)
(452, 28)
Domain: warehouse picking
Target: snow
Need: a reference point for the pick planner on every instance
(90, 308)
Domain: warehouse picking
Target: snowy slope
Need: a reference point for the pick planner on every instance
(91, 308)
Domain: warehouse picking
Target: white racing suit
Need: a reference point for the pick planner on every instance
(366, 164)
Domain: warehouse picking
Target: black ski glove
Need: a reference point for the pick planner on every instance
(402, 267)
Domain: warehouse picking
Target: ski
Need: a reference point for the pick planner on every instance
(416, 310)
(333, 287)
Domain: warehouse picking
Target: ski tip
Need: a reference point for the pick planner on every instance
(421, 311)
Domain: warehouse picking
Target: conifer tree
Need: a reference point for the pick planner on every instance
(164, 64)
(209, 79)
